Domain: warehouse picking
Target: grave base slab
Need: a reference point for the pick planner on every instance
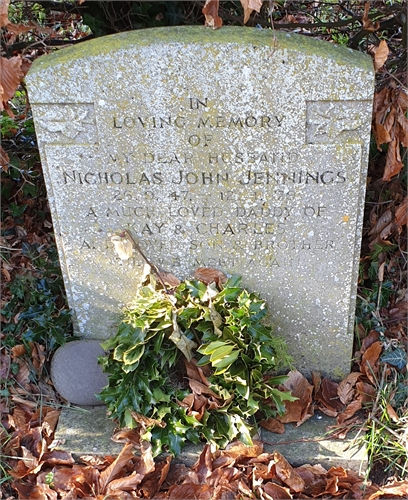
(88, 431)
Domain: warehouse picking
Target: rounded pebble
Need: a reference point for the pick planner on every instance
(76, 374)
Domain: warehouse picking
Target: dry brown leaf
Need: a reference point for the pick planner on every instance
(18, 350)
(276, 491)
(200, 388)
(50, 422)
(249, 6)
(397, 488)
(273, 425)
(401, 214)
(369, 361)
(190, 491)
(329, 397)
(366, 393)
(169, 279)
(287, 474)
(392, 413)
(37, 356)
(210, 11)
(371, 339)
(381, 135)
(4, 5)
(10, 77)
(4, 159)
(300, 410)
(385, 219)
(146, 421)
(366, 22)
(127, 483)
(346, 390)
(381, 55)
(115, 468)
(237, 449)
(349, 411)
(209, 275)
(393, 165)
(199, 373)
(403, 129)
(181, 340)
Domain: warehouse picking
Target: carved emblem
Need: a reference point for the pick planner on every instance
(336, 121)
(67, 123)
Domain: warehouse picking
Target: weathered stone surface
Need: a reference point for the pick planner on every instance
(86, 432)
(76, 374)
(230, 149)
(89, 432)
(309, 443)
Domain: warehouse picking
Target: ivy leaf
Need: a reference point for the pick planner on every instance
(397, 357)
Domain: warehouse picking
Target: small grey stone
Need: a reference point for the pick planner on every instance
(76, 374)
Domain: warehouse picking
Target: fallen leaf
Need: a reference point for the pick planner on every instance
(4, 159)
(115, 468)
(4, 6)
(190, 491)
(276, 491)
(300, 410)
(18, 350)
(401, 214)
(349, 411)
(366, 22)
(345, 389)
(393, 165)
(181, 340)
(381, 135)
(127, 483)
(237, 449)
(10, 77)
(403, 129)
(392, 413)
(169, 279)
(249, 6)
(397, 488)
(209, 275)
(273, 425)
(210, 11)
(329, 402)
(146, 422)
(287, 474)
(369, 361)
(381, 55)
(366, 392)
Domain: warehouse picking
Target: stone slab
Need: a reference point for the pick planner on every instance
(309, 443)
(231, 149)
(76, 374)
(88, 432)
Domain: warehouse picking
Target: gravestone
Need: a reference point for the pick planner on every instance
(238, 149)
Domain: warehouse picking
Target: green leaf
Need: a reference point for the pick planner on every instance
(133, 354)
(396, 357)
(226, 361)
(211, 347)
(221, 352)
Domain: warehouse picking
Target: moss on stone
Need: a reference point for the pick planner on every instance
(204, 36)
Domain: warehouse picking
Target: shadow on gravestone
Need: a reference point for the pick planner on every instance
(230, 149)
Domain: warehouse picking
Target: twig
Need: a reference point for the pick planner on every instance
(152, 266)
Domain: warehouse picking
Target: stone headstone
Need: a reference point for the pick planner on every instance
(237, 149)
